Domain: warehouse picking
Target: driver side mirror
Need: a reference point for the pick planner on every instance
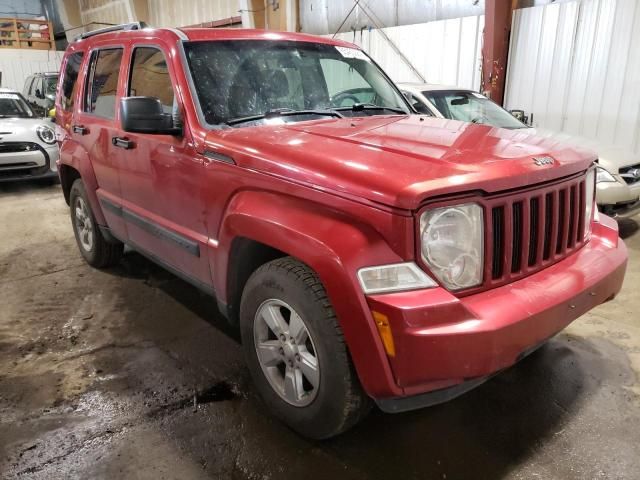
(145, 115)
(39, 93)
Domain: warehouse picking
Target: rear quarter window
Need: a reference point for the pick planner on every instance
(70, 80)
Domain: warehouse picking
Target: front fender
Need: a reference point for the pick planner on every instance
(335, 248)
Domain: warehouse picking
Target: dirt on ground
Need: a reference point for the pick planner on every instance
(132, 373)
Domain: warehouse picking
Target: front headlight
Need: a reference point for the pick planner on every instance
(589, 202)
(452, 243)
(46, 134)
(603, 176)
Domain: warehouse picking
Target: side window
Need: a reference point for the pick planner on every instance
(39, 87)
(27, 86)
(149, 77)
(70, 81)
(34, 86)
(100, 98)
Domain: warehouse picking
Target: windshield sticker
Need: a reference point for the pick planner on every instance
(477, 95)
(352, 53)
(10, 96)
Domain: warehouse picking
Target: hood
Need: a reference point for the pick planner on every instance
(22, 129)
(398, 161)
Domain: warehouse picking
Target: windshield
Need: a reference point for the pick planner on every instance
(50, 84)
(248, 78)
(471, 107)
(12, 105)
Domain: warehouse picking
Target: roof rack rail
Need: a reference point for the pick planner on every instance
(115, 28)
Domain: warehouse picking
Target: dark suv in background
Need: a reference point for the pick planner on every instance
(40, 92)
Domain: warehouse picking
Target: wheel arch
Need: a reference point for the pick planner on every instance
(74, 164)
(270, 225)
(68, 175)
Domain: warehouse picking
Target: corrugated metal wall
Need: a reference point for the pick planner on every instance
(576, 66)
(17, 65)
(323, 17)
(162, 13)
(445, 51)
(111, 11)
(170, 13)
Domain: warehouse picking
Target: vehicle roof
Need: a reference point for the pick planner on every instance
(43, 73)
(197, 34)
(8, 90)
(421, 87)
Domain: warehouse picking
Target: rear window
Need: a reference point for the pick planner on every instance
(70, 80)
(103, 82)
(27, 86)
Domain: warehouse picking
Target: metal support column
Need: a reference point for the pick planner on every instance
(495, 49)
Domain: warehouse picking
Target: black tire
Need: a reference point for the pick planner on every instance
(339, 402)
(101, 253)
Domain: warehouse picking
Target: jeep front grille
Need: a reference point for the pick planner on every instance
(527, 231)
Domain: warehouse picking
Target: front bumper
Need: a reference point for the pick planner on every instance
(446, 345)
(618, 199)
(38, 163)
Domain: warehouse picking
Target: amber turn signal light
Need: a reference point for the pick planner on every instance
(384, 329)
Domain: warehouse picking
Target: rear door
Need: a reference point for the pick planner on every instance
(161, 175)
(95, 124)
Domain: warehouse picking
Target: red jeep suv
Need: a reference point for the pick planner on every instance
(366, 252)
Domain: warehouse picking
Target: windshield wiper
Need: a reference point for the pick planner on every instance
(359, 107)
(284, 112)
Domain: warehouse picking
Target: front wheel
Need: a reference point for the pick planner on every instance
(95, 249)
(296, 353)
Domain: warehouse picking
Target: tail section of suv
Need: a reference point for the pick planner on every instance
(368, 255)
(40, 92)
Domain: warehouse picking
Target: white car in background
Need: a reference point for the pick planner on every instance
(618, 174)
(28, 148)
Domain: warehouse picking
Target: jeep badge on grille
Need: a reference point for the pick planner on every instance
(540, 161)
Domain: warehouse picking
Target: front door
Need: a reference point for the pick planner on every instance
(161, 176)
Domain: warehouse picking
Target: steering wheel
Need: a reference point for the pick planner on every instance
(480, 119)
(339, 100)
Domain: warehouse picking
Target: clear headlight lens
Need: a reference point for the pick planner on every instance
(603, 176)
(452, 242)
(393, 278)
(589, 202)
(46, 134)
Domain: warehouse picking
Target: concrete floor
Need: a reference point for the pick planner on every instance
(99, 370)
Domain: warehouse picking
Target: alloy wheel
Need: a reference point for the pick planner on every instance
(286, 352)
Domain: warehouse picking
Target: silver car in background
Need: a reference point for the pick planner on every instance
(618, 174)
(28, 147)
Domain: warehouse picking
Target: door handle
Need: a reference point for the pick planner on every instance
(80, 129)
(122, 143)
